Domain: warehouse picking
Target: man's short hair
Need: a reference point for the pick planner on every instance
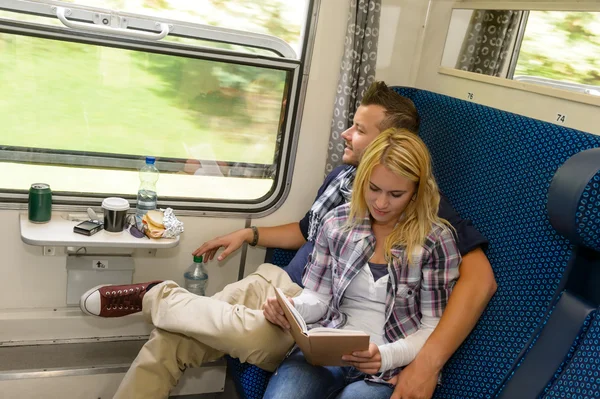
(400, 112)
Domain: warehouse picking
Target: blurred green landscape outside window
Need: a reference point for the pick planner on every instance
(562, 46)
(212, 117)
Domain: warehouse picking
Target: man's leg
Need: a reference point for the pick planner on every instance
(161, 361)
(253, 291)
(160, 364)
(232, 321)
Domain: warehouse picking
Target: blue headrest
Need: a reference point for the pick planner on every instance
(574, 199)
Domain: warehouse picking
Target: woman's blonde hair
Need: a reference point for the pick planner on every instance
(405, 154)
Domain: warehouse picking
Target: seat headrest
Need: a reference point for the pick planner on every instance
(574, 199)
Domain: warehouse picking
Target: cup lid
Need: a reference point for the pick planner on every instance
(115, 204)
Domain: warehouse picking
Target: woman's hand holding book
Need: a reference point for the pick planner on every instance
(274, 313)
(368, 361)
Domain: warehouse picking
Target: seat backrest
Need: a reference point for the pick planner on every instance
(495, 168)
(574, 210)
(279, 257)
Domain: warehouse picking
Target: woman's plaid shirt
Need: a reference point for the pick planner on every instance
(423, 288)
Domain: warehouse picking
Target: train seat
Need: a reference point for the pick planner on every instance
(497, 168)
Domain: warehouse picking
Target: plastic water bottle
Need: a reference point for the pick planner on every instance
(146, 198)
(196, 277)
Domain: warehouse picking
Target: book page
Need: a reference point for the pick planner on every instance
(333, 331)
(292, 310)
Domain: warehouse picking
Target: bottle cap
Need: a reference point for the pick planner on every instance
(198, 259)
(150, 160)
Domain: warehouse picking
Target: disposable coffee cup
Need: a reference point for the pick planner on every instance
(115, 214)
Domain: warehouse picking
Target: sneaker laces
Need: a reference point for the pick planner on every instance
(125, 299)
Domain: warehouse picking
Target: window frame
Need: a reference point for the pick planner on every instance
(283, 59)
(584, 6)
(143, 23)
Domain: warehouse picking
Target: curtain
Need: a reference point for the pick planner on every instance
(488, 42)
(356, 74)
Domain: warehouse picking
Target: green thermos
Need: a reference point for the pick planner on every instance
(40, 203)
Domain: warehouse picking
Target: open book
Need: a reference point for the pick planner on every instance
(321, 346)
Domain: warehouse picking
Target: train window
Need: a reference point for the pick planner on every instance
(89, 92)
(548, 48)
(559, 49)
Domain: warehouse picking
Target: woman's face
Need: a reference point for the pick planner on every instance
(387, 195)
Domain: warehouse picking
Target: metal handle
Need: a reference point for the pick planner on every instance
(61, 11)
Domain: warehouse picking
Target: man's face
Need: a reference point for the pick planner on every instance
(367, 120)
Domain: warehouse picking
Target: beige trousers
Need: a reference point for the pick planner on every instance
(192, 330)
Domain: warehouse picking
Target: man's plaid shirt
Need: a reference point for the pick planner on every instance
(423, 288)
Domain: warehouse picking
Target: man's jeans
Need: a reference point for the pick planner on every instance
(297, 379)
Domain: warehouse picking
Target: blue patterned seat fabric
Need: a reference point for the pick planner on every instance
(496, 167)
(279, 257)
(251, 381)
(581, 377)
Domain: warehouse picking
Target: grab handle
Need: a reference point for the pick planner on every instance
(61, 11)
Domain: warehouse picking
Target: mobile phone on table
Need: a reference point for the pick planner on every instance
(87, 228)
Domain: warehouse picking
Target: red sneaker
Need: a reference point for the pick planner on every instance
(114, 300)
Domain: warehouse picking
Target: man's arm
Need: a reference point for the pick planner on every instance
(288, 236)
(470, 296)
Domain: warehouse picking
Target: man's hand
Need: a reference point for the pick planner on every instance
(416, 381)
(230, 242)
(368, 361)
(273, 312)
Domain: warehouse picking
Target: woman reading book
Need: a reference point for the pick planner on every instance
(385, 264)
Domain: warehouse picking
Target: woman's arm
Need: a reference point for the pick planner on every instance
(314, 300)
(439, 272)
(318, 275)
(312, 305)
(403, 351)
